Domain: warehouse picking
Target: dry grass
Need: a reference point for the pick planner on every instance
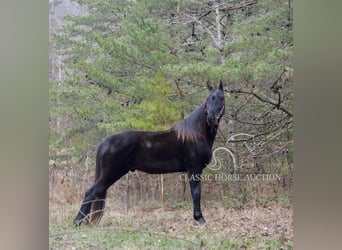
(253, 228)
(152, 224)
(274, 222)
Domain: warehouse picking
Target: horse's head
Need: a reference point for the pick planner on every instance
(214, 106)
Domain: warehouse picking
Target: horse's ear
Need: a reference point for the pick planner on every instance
(209, 86)
(221, 85)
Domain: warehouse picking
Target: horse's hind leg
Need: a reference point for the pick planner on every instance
(85, 208)
(95, 196)
(100, 192)
(94, 200)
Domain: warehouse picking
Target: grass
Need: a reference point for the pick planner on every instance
(110, 238)
(262, 219)
(173, 227)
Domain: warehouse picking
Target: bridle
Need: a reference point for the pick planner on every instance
(220, 114)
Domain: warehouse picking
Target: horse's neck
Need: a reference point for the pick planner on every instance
(211, 134)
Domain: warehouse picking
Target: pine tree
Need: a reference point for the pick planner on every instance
(145, 64)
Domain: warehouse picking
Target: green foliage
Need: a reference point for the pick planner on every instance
(158, 111)
(145, 64)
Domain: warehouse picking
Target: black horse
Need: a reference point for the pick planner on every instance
(186, 147)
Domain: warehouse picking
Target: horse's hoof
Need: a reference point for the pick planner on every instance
(201, 221)
(77, 223)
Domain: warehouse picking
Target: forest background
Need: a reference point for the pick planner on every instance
(117, 65)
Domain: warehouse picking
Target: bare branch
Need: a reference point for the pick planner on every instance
(213, 38)
(240, 5)
(275, 104)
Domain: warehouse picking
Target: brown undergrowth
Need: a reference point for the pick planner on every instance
(135, 213)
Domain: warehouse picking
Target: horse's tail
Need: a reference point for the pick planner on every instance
(97, 206)
(97, 209)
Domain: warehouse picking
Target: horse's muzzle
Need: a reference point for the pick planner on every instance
(213, 121)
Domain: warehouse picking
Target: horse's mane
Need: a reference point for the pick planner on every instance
(192, 127)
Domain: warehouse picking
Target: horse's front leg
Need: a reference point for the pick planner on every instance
(195, 185)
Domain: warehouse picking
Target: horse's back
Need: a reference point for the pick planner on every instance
(119, 143)
(148, 151)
